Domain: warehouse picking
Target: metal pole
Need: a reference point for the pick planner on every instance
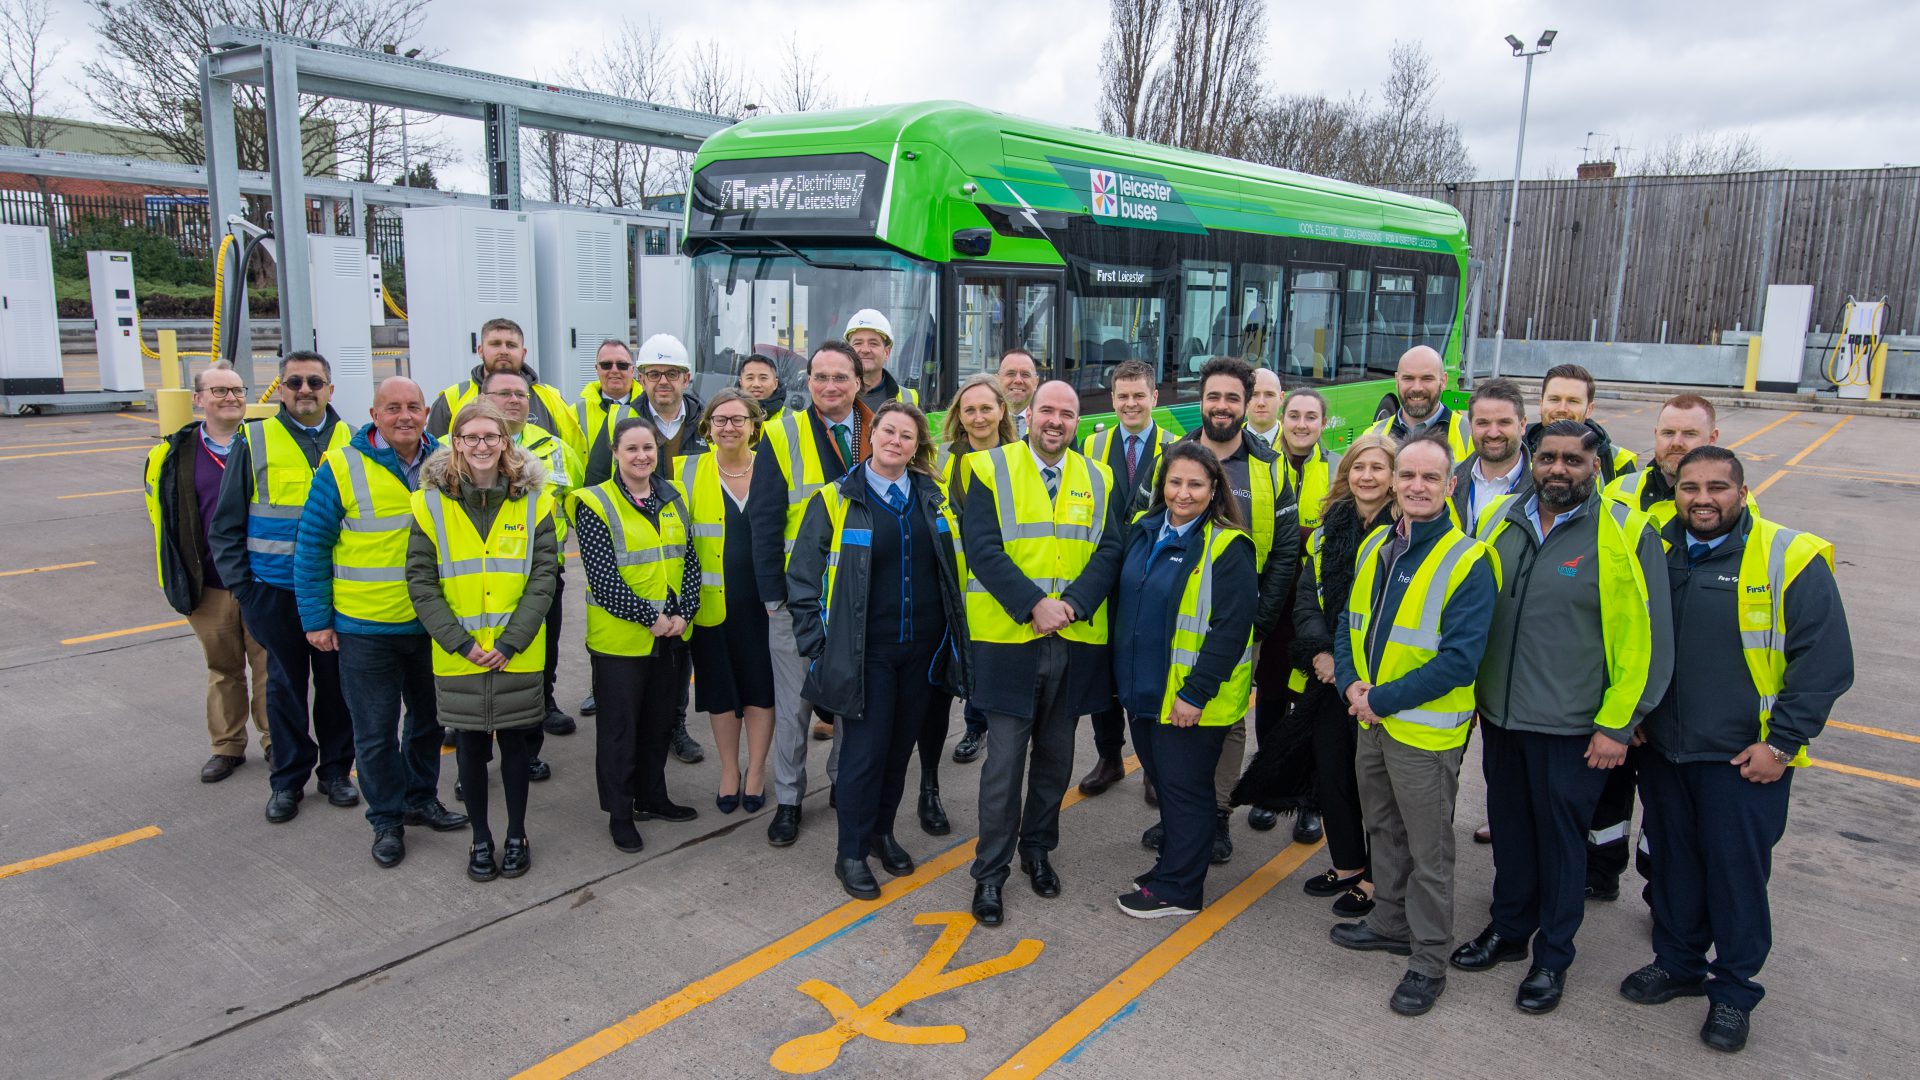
(1513, 208)
(406, 155)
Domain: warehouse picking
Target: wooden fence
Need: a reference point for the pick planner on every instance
(1621, 258)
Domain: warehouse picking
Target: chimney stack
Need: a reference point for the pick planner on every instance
(1595, 170)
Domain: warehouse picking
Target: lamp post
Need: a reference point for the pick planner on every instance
(1544, 45)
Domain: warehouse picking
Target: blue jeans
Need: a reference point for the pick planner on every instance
(399, 757)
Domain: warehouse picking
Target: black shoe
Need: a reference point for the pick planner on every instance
(340, 792)
(727, 804)
(1222, 838)
(1105, 773)
(625, 836)
(1261, 819)
(1483, 835)
(1488, 950)
(1307, 828)
(219, 767)
(1149, 792)
(1360, 937)
(538, 770)
(1142, 904)
(752, 803)
(480, 864)
(893, 858)
(933, 815)
(556, 723)
(588, 706)
(459, 792)
(684, 747)
(435, 815)
(1725, 1029)
(664, 812)
(517, 859)
(986, 904)
(1354, 903)
(1040, 873)
(857, 878)
(1416, 994)
(284, 805)
(833, 796)
(1140, 880)
(1655, 985)
(1539, 992)
(1603, 891)
(784, 829)
(389, 847)
(446, 737)
(968, 747)
(1155, 835)
(1330, 883)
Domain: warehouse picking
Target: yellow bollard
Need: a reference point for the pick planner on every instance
(1878, 373)
(257, 410)
(1753, 363)
(172, 403)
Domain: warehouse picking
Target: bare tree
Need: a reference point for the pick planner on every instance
(1127, 59)
(375, 140)
(25, 93)
(1402, 140)
(1205, 96)
(1706, 152)
(801, 85)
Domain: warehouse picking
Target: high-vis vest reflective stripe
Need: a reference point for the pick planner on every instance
(595, 416)
(1626, 626)
(707, 524)
(564, 470)
(1413, 635)
(842, 537)
(1773, 558)
(1050, 542)
(281, 479)
(370, 554)
(1190, 623)
(1311, 482)
(483, 579)
(650, 561)
(1626, 491)
(545, 399)
(1457, 436)
(1624, 461)
(799, 459)
(907, 394)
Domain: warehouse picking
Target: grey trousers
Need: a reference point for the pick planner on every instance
(1406, 799)
(1233, 755)
(792, 715)
(1009, 821)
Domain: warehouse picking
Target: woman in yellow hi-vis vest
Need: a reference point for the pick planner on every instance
(643, 593)
(482, 567)
(1183, 661)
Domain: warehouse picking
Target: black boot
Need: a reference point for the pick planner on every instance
(1222, 838)
(933, 816)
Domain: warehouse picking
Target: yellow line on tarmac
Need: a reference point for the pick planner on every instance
(1745, 439)
(1855, 770)
(97, 494)
(714, 986)
(1086, 1018)
(1865, 730)
(147, 439)
(122, 633)
(44, 569)
(80, 852)
(1831, 432)
(142, 419)
(69, 453)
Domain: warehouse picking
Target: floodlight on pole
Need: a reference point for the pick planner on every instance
(1513, 201)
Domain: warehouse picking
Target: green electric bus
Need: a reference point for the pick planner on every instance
(976, 232)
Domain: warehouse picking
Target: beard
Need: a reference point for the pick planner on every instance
(1220, 429)
(1417, 408)
(1559, 495)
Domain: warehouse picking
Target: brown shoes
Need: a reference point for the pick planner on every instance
(219, 767)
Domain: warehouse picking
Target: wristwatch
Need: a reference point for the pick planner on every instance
(1780, 757)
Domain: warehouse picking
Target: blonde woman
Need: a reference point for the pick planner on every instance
(978, 419)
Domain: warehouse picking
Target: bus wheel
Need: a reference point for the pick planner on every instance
(1389, 405)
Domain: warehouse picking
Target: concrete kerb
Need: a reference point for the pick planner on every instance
(1723, 398)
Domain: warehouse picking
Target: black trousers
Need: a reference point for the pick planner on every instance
(1110, 731)
(1540, 796)
(272, 616)
(1610, 833)
(536, 736)
(1020, 810)
(473, 749)
(934, 725)
(875, 749)
(632, 728)
(1181, 762)
(1335, 739)
(1712, 834)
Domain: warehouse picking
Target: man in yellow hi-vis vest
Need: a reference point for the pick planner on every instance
(1042, 535)
(1581, 647)
(1420, 379)
(1761, 653)
(1405, 655)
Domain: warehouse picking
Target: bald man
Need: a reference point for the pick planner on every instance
(350, 577)
(1420, 380)
(1263, 408)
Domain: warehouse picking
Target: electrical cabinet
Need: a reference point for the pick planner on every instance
(663, 299)
(29, 320)
(116, 326)
(580, 264)
(338, 273)
(465, 265)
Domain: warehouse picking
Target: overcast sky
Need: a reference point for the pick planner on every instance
(1819, 87)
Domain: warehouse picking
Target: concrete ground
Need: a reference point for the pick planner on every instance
(159, 927)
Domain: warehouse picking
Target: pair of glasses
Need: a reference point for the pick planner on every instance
(299, 382)
(472, 441)
(832, 380)
(510, 395)
(659, 374)
(727, 421)
(615, 365)
(226, 391)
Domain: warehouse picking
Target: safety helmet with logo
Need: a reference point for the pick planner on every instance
(869, 319)
(662, 350)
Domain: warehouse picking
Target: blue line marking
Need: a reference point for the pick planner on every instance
(1099, 1031)
(837, 934)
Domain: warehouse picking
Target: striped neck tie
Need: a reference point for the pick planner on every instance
(1051, 474)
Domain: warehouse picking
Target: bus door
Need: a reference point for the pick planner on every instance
(1313, 324)
(999, 308)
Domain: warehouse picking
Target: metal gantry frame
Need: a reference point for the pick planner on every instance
(287, 67)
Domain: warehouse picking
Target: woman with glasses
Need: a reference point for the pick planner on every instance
(875, 593)
(643, 592)
(482, 563)
(733, 668)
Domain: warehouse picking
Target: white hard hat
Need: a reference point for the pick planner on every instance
(662, 350)
(869, 319)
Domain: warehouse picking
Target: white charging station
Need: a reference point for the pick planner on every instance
(29, 319)
(337, 271)
(465, 265)
(663, 298)
(116, 325)
(580, 265)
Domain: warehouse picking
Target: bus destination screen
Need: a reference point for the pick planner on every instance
(837, 194)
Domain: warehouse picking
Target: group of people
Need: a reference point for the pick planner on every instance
(1610, 629)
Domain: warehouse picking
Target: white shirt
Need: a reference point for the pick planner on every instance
(1488, 488)
(881, 485)
(1272, 435)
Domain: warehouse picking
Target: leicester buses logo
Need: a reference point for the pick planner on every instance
(1106, 192)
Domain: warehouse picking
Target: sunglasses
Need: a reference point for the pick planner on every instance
(307, 382)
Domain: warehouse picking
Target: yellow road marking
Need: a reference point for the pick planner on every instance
(146, 439)
(1882, 732)
(80, 852)
(97, 494)
(734, 975)
(122, 633)
(1087, 1017)
(1768, 482)
(135, 416)
(44, 569)
(70, 453)
(1744, 440)
(1855, 770)
(1864, 472)
(1831, 432)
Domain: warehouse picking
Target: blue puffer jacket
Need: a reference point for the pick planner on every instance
(320, 528)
